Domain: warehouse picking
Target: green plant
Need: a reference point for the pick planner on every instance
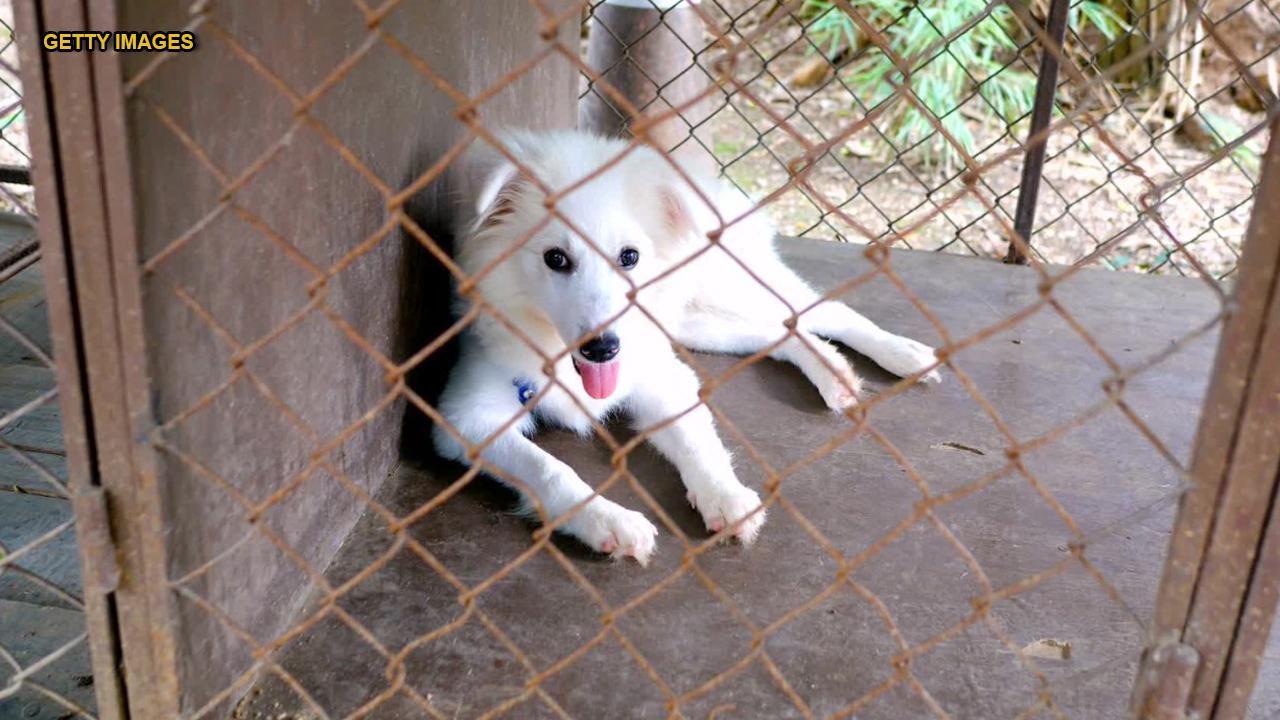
(1226, 131)
(726, 149)
(945, 78)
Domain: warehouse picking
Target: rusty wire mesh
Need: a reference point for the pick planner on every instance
(806, 149)
(44, 661)
(44, 666)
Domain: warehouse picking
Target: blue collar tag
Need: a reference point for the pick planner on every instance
(525, 390)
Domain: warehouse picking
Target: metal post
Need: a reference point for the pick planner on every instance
(641, 50)
(1024, 216)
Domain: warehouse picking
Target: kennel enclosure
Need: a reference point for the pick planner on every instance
(246, 257)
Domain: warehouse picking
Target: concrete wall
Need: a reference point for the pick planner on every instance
(227, 430)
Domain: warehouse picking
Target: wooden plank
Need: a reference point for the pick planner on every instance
(38, 432)
(22, 298)
(23, 306)
(27, 518)
(15, 229)
(32, 632)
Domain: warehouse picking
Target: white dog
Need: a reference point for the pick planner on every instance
(564, 284)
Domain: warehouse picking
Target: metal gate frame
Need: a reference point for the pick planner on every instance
(1218, 592)
(1221, 579)
(87, 237)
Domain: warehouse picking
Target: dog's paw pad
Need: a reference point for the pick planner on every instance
(736, 510)
(641, 549)
(840, 394)
(843, 400)
(610, 529)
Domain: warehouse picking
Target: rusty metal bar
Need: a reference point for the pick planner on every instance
(1234, 364)
(1256, 621)
(146, 599)
(1164, 681)
(1210, 569)
(65, 325)
(79, 114)
(1024, 216)
(1243, 508)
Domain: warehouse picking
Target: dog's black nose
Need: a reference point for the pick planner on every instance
(601, 349)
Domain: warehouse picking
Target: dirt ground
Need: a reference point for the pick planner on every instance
(1090, 193)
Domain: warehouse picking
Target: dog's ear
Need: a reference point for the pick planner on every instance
(677, 216)
(496, 199)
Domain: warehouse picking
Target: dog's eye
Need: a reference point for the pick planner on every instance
(557, 260)
(629, 257)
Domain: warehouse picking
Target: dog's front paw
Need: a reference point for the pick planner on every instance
(609, 528)
(904, 356)
(735, 506)
(840, 392)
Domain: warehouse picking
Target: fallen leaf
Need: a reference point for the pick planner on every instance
(1048, 649)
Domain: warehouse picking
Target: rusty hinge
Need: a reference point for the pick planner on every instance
(93, 531)
(1164, 682)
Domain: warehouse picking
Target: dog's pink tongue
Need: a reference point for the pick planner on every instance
(599, 379)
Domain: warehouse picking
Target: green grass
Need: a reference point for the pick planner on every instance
(974, 70)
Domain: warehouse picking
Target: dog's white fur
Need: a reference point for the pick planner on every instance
(708, 303)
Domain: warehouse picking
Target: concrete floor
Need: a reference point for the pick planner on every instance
(1038, 376)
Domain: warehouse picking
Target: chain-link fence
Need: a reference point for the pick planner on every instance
(1180, 96)
(44, 663)
(986, 548)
